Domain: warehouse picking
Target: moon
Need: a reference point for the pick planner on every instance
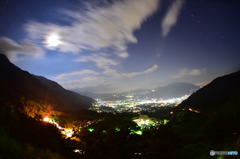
(53, 40)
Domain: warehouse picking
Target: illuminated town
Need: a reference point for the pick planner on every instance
(135, 105)
(66, 132)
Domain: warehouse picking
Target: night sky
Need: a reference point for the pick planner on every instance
(121, 45)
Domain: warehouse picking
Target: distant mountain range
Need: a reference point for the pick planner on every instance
(16, 84)
(164, 92)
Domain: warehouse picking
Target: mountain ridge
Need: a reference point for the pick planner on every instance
(220, 91)
(16, 83)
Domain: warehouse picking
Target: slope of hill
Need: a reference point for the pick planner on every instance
(221, 93)
(16, 84)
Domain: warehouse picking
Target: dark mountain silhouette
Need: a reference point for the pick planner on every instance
(221, 93)
(16, 84)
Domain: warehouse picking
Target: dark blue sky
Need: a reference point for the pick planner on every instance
(108, 46)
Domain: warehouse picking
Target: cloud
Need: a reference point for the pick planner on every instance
(85, 82)
(76, 73)
(109, 26)
(202, 84)
(151, 69)
(104, 88)
(113, 73)
(123, 54)
(117, 74)
(100, 61)
(86, 79)
(171, 16)
(186, 72)
(80, 79)
(11, 48)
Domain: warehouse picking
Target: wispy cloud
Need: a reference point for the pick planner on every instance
(147, 71)
(151, 69)
(188, 72)
(75, 74)
(202, 84)
(100, 61)
(86, 79)
(117, 74)
(110, 26)
(85, 82)
(171, 17)
(11, 48)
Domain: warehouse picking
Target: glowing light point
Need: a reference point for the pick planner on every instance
(90, 129)
(192, 110)
(46, 119)
(137, 132)
(104, 131)
(117, 129)
(79, 151)
(76, 151)
(165, 121)
(53, 40)
(68, 132)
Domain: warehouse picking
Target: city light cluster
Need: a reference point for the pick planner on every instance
(145, 122)
(136, 105)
